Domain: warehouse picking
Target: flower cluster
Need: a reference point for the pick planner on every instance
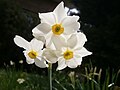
(58, 33)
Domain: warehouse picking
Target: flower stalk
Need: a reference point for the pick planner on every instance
(50, 75)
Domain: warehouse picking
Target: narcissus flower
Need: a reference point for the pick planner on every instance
(54, 24)
(70, 54)
(32, 52)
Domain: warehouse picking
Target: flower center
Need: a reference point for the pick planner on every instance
(57, 29)
(32, 54)
(68, 54)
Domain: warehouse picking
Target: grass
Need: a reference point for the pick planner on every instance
(8, 80)
(96, 81)
(91, 80)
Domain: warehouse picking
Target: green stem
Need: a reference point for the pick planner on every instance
(50, 75)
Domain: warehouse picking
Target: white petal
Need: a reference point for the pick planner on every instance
(61, 64)
(48, 42)
(21, 42)
(69, 20)
(28, 59)
(50, 55)
(82, 52)
(60, 12)
(48, 18)
(44, 28)
(78, 60)
(51, 46)
(58, 53)
(36, 44)
(81, 39)
(58, 41)
(72, 63)
(38, 34)
(72, 41)
(70, 24)
(40, 63)
(71, 28)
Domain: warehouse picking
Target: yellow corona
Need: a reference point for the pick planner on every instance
(68, 54)
(57, 29)
(32, 54)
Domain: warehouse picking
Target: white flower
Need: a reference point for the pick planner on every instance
(70, 54)
(20, 80)
(21, 61)
(32, 52)
(110, 84)
(12, 63)
(55, 24)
